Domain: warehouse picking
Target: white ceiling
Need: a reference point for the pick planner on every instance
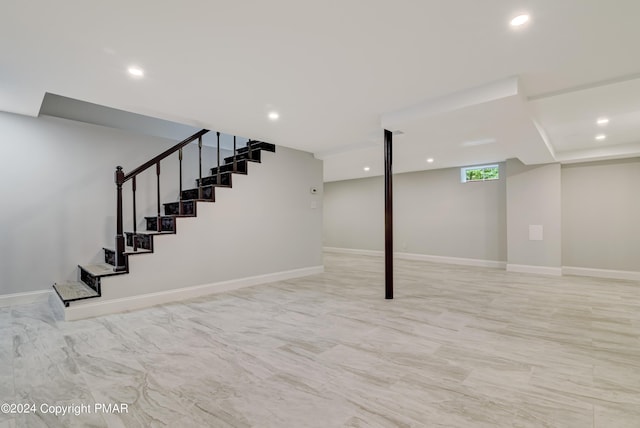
(337, 71)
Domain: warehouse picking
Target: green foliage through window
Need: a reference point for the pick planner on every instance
(480, 173)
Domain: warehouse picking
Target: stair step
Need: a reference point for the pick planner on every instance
(225, 180)
(255, 156)
(257, 145)
(144, 239)
(208, 194)
(167, 223)
(72, 291)
(188, 208)
(240, 167)
(110, 254)
(99, 269)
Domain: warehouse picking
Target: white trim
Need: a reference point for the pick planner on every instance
(353, 251)
(24, 298)
(89, 309)
(422, 257)
(601, 273)
(452, 260)
(541, 270)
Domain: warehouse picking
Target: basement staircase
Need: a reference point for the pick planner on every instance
(116, 260)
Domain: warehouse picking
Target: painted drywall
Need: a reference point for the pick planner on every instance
(434, 214)
(600, 212)
(268, 222)
(437, 214)
(59, 197)
(533, 199)
(354, 214)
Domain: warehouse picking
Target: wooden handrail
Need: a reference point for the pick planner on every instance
(120, 178)
(163, 155)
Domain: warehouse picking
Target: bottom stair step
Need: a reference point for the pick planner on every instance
(100, 269)
(70, 291)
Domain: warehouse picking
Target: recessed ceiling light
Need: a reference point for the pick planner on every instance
(366, 168)
(600, 137)
(519, 20)
(430, 160)
(274, 115)
(602, 121)
(136, 71)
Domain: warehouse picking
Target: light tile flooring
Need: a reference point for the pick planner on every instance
(458, 347)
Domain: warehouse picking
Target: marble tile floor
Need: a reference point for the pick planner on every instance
(457, 347)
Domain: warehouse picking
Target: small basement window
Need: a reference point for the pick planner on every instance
(479, 173)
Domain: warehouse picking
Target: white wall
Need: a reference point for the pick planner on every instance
(354, 214)
(59, 200)
(600, 215)
(434, 214)
(533, 198)
(588, 212)
(58, 196)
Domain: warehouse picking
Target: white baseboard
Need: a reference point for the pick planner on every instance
(540, 270)
(601, 273)
(452, 260)
(422, 257)
(353, 251)
(89, 309)
(24, 298)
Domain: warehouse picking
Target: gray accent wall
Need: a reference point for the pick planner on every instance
(434, 214)
(601, 215)
(58, 205)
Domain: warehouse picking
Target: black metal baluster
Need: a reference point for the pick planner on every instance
(218, 156)
(159, 226)
(135, 227)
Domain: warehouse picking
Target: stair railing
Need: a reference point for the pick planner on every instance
(121, 178)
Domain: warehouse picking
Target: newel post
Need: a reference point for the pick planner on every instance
(119, 179)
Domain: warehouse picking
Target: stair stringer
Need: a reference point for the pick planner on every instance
(263, 226)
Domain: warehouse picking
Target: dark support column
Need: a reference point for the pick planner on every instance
(388, 217)
(200, 166)
(159, 223)
(218, 180)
